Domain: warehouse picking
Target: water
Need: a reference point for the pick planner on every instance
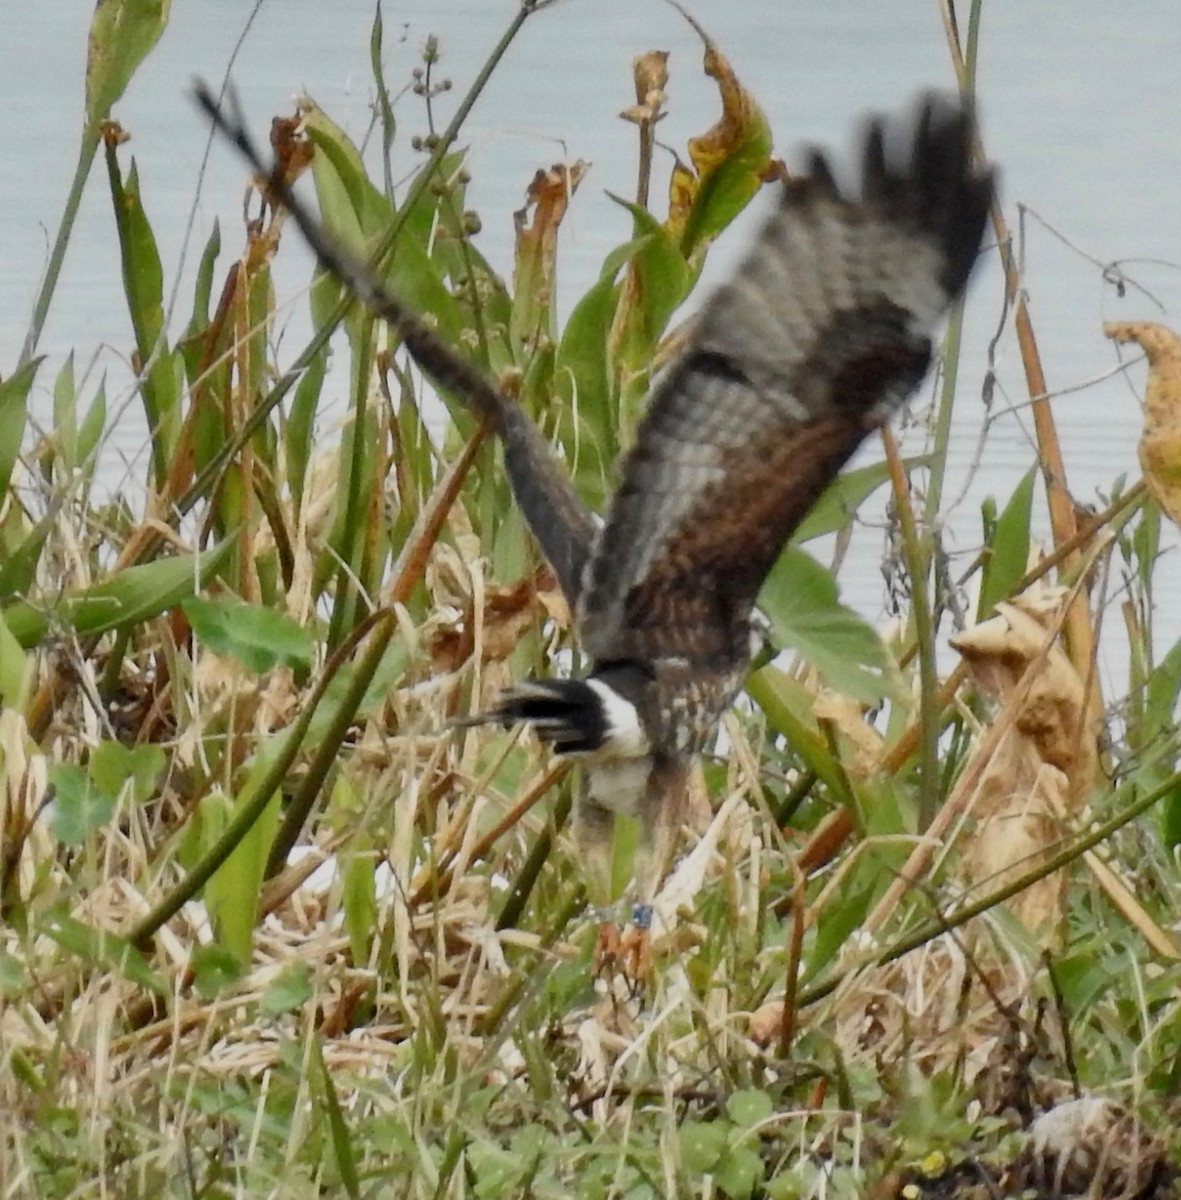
(1076, 107)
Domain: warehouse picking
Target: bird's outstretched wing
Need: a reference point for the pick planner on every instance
(559, 520)
(821, 334)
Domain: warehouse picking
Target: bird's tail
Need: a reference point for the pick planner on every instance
(575, 716)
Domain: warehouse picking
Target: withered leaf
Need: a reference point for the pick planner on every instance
(293, 149)
(650, 72)
(537, 224)
(1160, 443)
(728, 162)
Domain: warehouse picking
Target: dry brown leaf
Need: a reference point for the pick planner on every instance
(650, 72)
(1160, 444)
(848, 717)
(719, 142)
(546, 201)
(1044, 766)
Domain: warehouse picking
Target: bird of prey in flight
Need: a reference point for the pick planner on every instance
(820, 335)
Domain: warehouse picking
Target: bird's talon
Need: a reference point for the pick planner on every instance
(609, 949)
(636, 955)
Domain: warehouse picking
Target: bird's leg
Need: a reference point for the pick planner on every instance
(594, 835)
(660, 822)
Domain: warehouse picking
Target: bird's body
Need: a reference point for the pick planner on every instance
(817, 339)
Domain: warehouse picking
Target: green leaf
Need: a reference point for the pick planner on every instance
(342, 1146)
(214, 969)
(143, 285)
(65, 415)
(15, 670)
(739, 1172)
(842, 498)
(800, 600)
(1008, 550)
(299, 432)
(122, 34)
(114, 767)
(749, 1108)
(104, 949)
(14, 398)
(257, 637)
(93, 425)
(79, 804)
(702, 1144)
(133, 595)
(788, 707)
(359, 893)
(289, 992)
(1161, 695)
(232, 894)
(660, 281)
(582, 374)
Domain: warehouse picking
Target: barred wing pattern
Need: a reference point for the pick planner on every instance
(821, 334)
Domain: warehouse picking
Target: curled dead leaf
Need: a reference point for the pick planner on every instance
(509, 613)
(848, 718)
(292, 147)
(546, 201)
(1160, 443)
(650, 72)
(740, 133)
(113, 134)
(1044, 767)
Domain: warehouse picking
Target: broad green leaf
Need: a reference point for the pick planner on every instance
(18, 563)
(844, 913)
(788, 707)
(214, 969)
(299, 430)
(289, 992)
(1008, 549)
(358, 214)
(14, 400)
(844, 496)
(232, 894)
(104, 949)
(257, 637)
(1160, 702)
(739, 1172)
(79, 806)
(583, 379)
(122, 34)
(135, 594)
(702, 1144)
(114, 767)
(657, 282)
(143, 285)
(15, 670)
(749, 1107)
(800, 600)
(203, 288)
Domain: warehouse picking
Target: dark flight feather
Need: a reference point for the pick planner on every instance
(819, 336)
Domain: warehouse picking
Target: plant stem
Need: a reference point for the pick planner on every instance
(88, 150)
(924, 634)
